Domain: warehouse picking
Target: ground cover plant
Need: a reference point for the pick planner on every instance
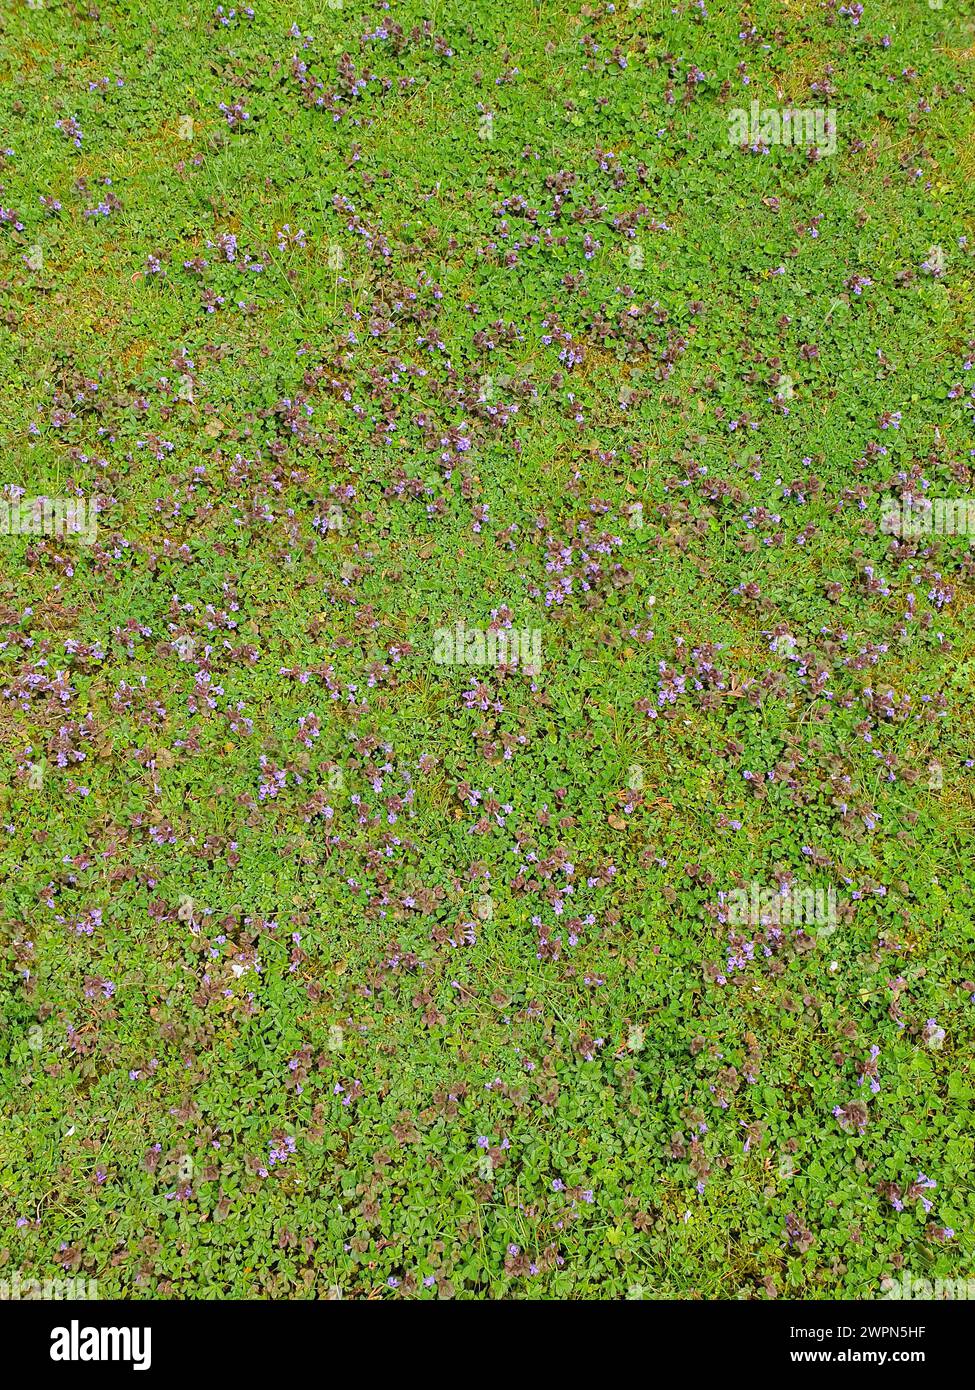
(486, 746)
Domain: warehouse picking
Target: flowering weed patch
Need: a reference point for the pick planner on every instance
(485, 784)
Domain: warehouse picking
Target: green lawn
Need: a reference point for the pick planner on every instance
(486, 790)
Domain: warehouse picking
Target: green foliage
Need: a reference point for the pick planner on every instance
(477, 313)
